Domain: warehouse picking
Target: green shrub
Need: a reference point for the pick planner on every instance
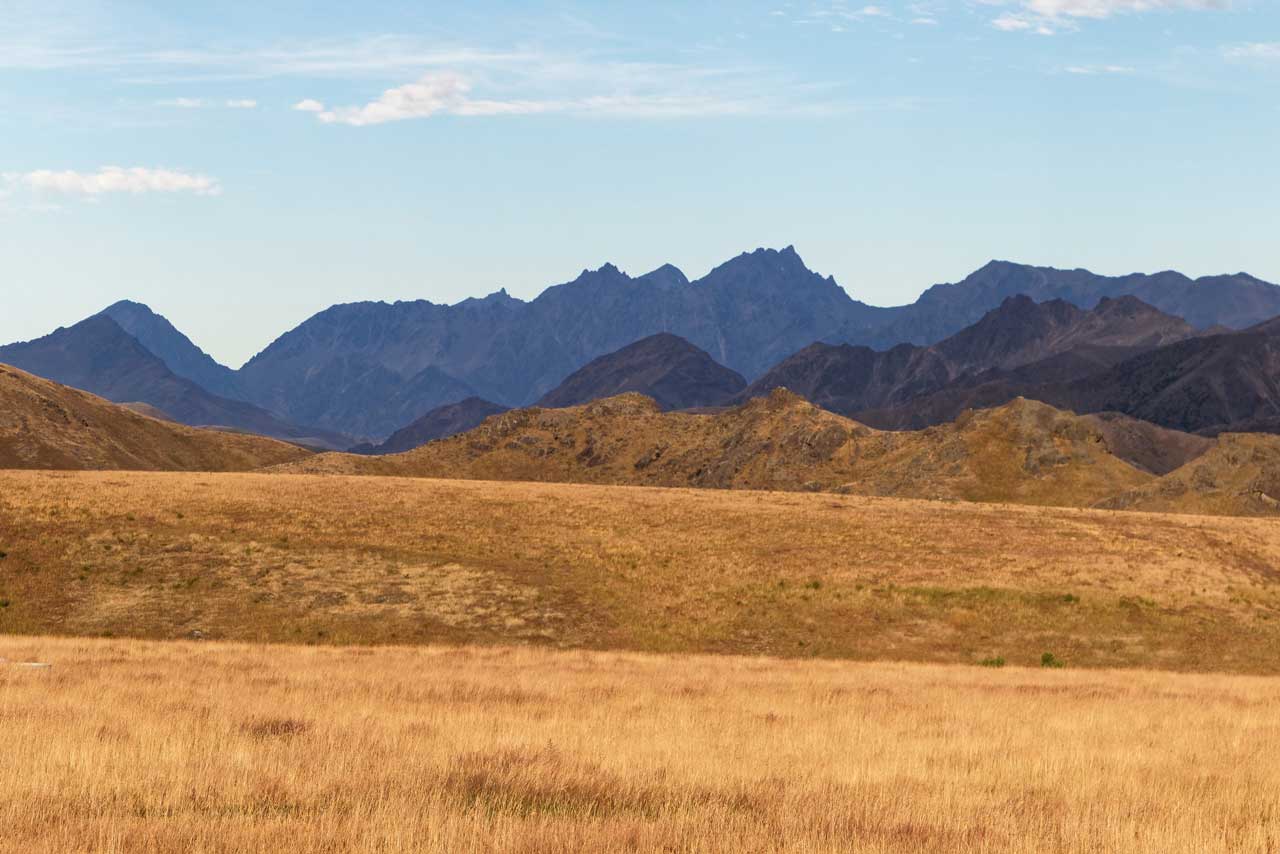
(1048, 660)
(998, 661)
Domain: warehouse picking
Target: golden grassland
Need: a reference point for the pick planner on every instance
(124, 746)
(359, 560)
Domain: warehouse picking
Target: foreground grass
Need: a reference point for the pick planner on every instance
(124, 746)
(307, 559)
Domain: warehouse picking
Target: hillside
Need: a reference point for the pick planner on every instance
(1237, 475)
(44, 425)
(1207, 384)
(665, 367)
(1053, 339)
(1024, 452)
(1148, 446)
(440, 423)
(254, 557)
(98, 356)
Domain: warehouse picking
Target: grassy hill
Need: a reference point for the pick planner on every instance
(395, 560)
(1024, 451)
(44, 425)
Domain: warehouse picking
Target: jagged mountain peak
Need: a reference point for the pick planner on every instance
(668, 275)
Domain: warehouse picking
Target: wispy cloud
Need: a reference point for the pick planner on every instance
(1098, 69)
(455, 79)
(368, 56)
(205, 103)
(114, 179)
(1254, 51)
(1049, 16)
(182, 103)
(646, 92)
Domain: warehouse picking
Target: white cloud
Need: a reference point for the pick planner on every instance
(183, 103)
(445, 92)
(116, 179)
(1254, 51)
(1049, 16)
(241, 104)
(1107, 8)
(652, 94)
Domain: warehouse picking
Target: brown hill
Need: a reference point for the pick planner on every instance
(149, 411)
(664, 367)
(440, 423)
(1239, 475)
(1023, 452)
(44, 425)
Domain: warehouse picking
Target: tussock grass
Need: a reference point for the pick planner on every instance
(352, 560)
(124, 746)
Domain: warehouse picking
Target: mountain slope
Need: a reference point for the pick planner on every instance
(1208, 384)
(184, 358)
(1024, 452)
(664, 367)
(439, 423)
(98, 356)
(44, 425)
(1020, 332)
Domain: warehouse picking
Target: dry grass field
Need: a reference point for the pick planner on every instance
(360, 560)
(125, 746)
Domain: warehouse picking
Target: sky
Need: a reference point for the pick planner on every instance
(239, 166)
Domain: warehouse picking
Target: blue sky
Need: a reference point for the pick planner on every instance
(241, 165)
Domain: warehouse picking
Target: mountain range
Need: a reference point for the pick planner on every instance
(748, 314)
(368, 369)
